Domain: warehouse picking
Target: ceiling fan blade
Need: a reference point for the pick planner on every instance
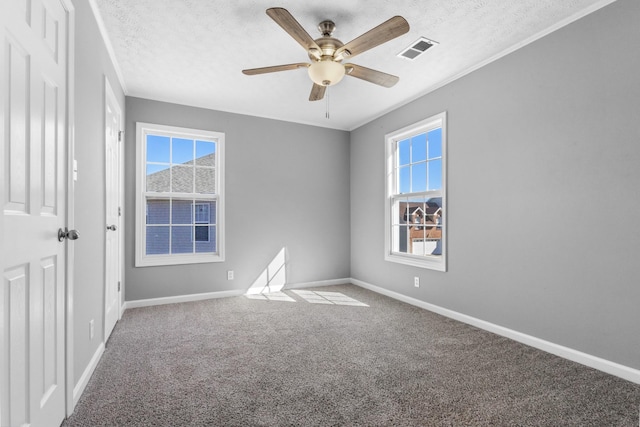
(384, 32)
(317, 92)
(273, 69)
(293, 27)
(373, 76)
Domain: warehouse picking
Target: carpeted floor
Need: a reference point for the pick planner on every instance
(320, 359)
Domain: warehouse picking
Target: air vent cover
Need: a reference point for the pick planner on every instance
(417, 48)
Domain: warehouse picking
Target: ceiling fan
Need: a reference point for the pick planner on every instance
(327, 53)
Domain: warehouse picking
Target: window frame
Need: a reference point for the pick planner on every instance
(141, 258)
(392, 193)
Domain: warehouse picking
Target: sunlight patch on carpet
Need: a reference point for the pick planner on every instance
(271, 296)
(323, 297)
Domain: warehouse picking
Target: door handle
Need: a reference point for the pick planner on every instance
(67, 234)
(112, 227)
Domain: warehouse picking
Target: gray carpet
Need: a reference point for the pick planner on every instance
(245, 362)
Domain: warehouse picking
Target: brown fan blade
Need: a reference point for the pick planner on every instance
(384, 32)
(373, 76)
(273, 69)
(291, 26)
(317, 92)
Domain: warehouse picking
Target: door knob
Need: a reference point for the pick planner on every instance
(67, 234)
(111, 227)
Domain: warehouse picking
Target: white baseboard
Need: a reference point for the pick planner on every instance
(181, 298)
(223, 294)
(625, 372)
(333, 282)
(86, 375)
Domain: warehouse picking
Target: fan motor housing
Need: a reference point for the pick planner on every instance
(328, 45)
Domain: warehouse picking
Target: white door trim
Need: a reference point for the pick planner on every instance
(71, 28)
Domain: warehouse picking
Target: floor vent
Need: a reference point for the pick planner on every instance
(417, 48)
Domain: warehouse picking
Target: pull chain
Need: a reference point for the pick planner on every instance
(327, 102)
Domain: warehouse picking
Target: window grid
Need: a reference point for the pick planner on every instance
(193, 224)
(180, 171)
(415, 204)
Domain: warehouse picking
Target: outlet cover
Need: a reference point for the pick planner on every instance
(230, 275)
(416, 282)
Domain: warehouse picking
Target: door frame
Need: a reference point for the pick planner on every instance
(71, 176)
(109, 95)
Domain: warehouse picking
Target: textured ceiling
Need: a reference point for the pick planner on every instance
(192, 51)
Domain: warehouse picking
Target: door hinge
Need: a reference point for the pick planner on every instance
(118, 286)
(119, 211)
(120, 135)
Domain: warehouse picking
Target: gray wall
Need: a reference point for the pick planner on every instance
(92, 63)
(287, 185)
(547, 140)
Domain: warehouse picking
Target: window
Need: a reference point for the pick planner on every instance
(180, 188)
(415, 200)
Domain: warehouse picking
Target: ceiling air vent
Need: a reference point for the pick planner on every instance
(417, 48)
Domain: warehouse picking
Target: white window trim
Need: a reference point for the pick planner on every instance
(143, 260)
(438, 263)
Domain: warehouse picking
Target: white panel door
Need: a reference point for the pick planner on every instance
(113, 119)
(33, 188)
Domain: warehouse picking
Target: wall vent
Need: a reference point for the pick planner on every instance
(417, 48)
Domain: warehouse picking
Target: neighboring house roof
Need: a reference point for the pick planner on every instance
(426, 210)
(179, 178)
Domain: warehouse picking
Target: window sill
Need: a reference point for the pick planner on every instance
(437, 264)
(160, 260)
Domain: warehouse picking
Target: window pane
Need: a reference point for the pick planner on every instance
(182, 151)
(158, 178)
(157, 211)
(202, 233)
(181, 242)
(414, 212)
(206, 245)
(404, 212)
(435, 175)
(403, 239)
(202, 213)
(182, 179)
(417, 229)
(433, 238)
(205, 180)
(419, 148)
(405, 179)
(181, 212)
(419, 177)
(404, 155)
(205, 153)
(157, 149)
(417, 219)
(157, 240)
(435, 143)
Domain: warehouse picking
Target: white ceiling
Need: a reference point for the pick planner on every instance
(192, 51)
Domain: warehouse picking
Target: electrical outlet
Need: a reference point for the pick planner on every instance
(230, 275)
(91, 329)
(416, 282)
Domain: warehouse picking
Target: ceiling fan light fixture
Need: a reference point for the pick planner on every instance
(326, 73)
